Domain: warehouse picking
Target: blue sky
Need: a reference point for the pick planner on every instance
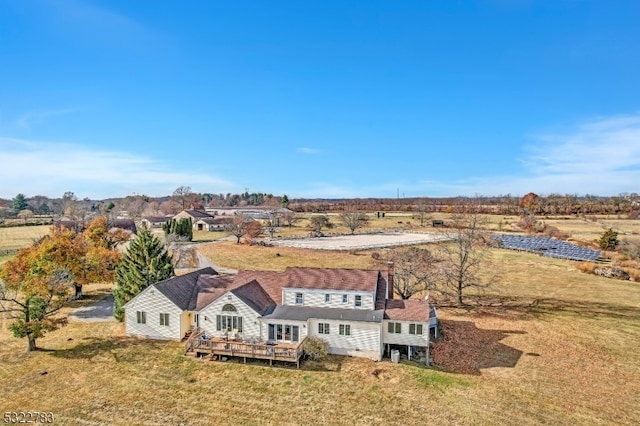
(319, 98)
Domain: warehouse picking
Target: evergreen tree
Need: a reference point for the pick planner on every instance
(609, 240)
(20, 202)
(180, 230)
(146, 262)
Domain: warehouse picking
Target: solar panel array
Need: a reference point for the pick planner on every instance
(546, 246)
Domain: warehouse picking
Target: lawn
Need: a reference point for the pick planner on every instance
(21, 236)
(556, 346)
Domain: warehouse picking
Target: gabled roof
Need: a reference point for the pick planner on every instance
(209, 288)
(255, 297)
(157, 219)
(197, 213)
(262, 292)
(332, 279)
(207, 220)
(181, 290)
(222, 220)
(270, 281)
(407, 310)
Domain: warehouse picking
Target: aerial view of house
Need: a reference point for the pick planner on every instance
(353, 310)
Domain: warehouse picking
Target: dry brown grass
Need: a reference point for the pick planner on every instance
(21, 236)
(241, 256)
(554, 346)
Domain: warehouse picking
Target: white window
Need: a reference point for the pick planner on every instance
(141, 317)
(415, 329)
(327, 298)
(298, 298)
(164, 319)
(284, 332)
(229, 323)
(345, 298)
(394, 328)
(345, 330)
(323, 328)
(358, 302)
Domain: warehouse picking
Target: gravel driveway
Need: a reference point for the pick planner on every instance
(99, 311)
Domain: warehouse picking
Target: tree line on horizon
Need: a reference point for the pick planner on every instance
(137, 206)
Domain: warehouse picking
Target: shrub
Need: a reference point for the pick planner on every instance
(609, 240)
(587, 267)
(631, 249)
(316, 349)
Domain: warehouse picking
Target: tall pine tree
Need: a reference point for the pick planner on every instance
(146, 262)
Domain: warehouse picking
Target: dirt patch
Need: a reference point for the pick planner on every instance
(361, 241)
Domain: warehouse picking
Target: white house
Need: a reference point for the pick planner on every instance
(255, 312)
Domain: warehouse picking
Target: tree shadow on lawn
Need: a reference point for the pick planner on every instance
(128, 349)
(122, 349)
(529, 308)
(466, 349)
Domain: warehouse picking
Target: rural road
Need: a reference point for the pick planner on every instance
(99, 311)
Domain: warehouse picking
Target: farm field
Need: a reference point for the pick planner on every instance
(556, 345)
(550, 345)
(21, 236)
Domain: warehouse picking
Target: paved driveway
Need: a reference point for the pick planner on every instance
(99, 311)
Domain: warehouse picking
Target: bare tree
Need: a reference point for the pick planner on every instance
(170, 207)
(273, 222)
(252, 231)
(239, 226)
(289, 217)
(182, 195)
(421, 212)
(414, 270)
(353, 219)
(71, 207)
(463, 256)
(318, 223)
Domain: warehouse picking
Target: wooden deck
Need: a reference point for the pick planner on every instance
(215, 347)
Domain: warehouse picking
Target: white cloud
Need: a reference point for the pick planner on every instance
(47, 168)
(600, 156)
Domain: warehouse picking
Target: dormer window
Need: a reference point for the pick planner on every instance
(298, 298)
(358, 301)
(327, 298)
(345, 298)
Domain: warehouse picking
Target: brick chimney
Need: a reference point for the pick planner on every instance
(389, 280)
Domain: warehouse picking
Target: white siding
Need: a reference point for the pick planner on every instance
(316, 298)
(250, 322)
(404, 338)
(153, 303)
(363, 342)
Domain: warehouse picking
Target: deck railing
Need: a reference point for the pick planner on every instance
(195, 334)
(249, 350)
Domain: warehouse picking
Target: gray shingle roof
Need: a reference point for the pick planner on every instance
(255, 297)
(181, 290)
(198, 214)
(303, 313)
